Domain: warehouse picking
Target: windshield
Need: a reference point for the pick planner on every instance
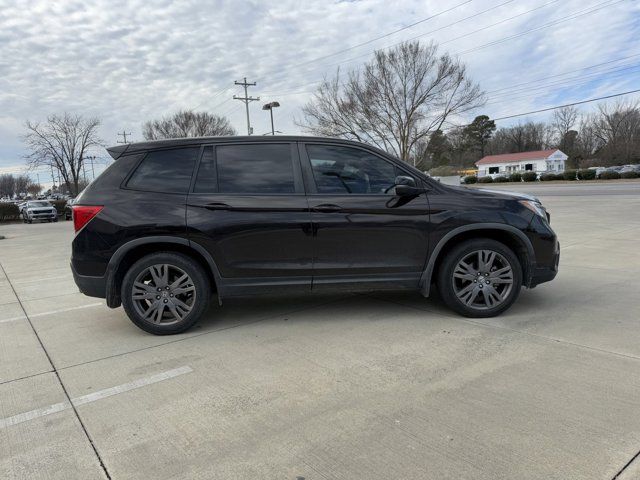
(39, 204)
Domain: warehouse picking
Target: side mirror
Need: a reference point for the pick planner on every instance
(402, 180)
(406, 187)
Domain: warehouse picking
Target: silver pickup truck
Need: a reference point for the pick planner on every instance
(38, 210)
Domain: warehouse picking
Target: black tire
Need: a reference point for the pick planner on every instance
(29, 220)
(447, 282)
(177, 261)
(55, 219)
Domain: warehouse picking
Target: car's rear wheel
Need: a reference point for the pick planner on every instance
(480, 278)
(165, 293)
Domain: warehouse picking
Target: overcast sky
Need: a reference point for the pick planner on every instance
(130, 61)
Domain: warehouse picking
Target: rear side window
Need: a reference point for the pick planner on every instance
(167, 171)
(247, 169)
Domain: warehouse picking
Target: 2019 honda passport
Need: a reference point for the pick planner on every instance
(171, 222)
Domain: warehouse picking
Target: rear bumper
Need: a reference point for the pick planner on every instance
(90, 286)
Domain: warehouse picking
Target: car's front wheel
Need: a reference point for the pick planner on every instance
(165, 293)
(480, 278)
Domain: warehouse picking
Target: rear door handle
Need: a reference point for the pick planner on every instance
(217, 206)
(326, 207)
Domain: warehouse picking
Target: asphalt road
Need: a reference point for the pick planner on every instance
(576, 189)
(383, 386)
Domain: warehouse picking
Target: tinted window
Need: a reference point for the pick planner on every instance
(207, 179)
(255, 169)
(165, 171)
(350, 170)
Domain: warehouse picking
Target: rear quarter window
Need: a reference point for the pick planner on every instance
(166, 171)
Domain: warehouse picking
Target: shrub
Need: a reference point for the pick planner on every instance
(630, 175)
(59, 205)
(570, 174)
(486, 179)
(501, 179)
(9, 211)
(469, 179)
(609, 175)
(515, 177)
(546, 177)
(529, 176)
(589, 174)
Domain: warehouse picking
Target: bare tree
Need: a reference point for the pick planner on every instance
(34, 189)
(22, 184)
(396, 101)
(7, 185)
(62, 143)
(563, 121)
(617, 128)
(522, 137)
(187, 123)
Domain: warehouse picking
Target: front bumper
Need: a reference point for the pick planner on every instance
(42, 216)
(542, 274)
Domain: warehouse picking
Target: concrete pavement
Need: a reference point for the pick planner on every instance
(331, 387)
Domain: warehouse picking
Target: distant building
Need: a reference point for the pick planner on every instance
(540, 161)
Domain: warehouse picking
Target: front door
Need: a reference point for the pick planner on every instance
(364, 235)
(248, 209)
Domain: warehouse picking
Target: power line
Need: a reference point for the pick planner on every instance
(386, 34)
(571, 16)
(569, 82)
(246, 99)
(566, 105)
(564, 73)
(342, 62)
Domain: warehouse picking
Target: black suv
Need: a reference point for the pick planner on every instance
(170, 222)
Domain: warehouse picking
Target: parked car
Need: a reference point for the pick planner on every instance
(171, 222)
(68, 212)
(38, 210)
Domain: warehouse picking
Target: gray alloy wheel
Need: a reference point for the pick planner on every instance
(163, 294)
(482, 280)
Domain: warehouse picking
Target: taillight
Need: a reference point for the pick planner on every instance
(82, 214)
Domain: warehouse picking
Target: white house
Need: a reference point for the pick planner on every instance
(540, 161)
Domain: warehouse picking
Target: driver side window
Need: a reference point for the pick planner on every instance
(340, 170)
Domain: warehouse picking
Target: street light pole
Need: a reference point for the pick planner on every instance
(270, 106)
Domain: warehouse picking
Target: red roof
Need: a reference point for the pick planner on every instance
(516, 157)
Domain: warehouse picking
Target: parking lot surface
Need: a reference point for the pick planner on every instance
(380, 386)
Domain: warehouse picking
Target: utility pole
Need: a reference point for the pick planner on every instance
(91, 158)
(123, 134)
(246, 99)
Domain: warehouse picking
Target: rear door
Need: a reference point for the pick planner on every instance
(364, 233)
(247, 207)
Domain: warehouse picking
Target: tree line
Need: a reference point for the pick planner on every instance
(17, 185)
(411, 100)
(608, 136)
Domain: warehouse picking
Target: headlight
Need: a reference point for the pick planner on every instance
(535, 207)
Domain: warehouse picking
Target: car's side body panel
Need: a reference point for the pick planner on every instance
(260, 243)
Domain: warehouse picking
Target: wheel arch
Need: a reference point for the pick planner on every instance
(506, 234)
(128, 253)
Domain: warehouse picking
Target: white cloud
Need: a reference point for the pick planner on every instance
(130, 60)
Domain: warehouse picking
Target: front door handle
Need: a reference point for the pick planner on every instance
(327, 208)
